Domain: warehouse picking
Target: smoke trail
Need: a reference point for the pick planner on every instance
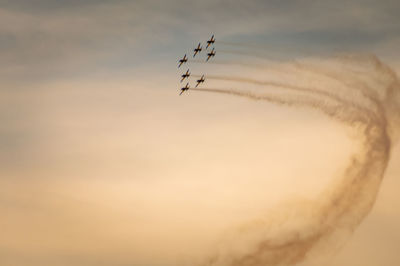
(344, 204)
(254, 54)
(247, 45)
(314, 91)
(227, 62)
(234, 43)
(256, 49)
(273, 84)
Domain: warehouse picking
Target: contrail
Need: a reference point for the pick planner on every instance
(344, 204)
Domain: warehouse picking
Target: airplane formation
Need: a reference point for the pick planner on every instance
(196, 50)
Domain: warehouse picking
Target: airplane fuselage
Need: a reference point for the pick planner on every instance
(212, 54)
(184, 88)
(197, 50)
(184, 76)
(182, 61)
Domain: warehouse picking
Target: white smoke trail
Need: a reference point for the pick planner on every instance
(341, 208)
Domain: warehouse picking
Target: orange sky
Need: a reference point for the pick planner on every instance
(103, 164)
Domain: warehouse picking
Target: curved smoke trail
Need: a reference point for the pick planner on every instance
(374, 111)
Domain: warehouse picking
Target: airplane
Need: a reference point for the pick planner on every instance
(211, 54)
(201, 80)
(183, 60)
(197, 50)
(210, 41)
(184, 88)
(186, 75)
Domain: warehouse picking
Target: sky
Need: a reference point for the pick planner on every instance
(102, 163)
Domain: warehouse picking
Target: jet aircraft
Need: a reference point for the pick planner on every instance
(210, 41)
(201, 80)
(211, 54)
(197, 50)
(183, 60)
(184, 88)
(186, 75)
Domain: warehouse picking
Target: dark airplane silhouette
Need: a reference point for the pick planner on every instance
(183, 60)
(186, 75)
(210, 41)
(201, 80)
(184, 88)
(197, 50)
(211, 54)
